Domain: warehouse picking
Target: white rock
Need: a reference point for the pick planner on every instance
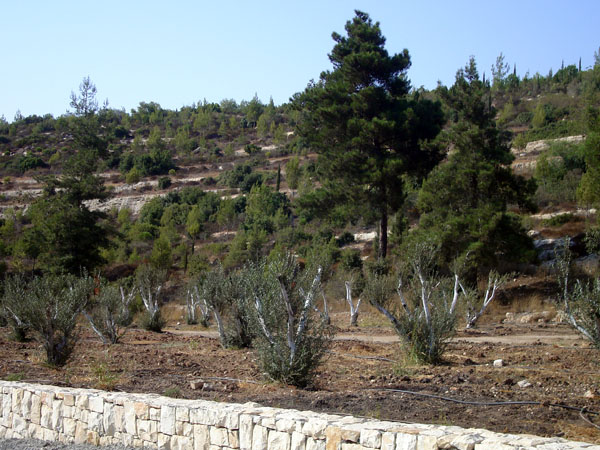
(498, 363)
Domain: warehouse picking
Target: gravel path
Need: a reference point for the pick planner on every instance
(34, 444)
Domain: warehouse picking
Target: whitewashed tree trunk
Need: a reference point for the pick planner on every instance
(353, 308)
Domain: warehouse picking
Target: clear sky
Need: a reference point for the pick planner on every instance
(179, 52)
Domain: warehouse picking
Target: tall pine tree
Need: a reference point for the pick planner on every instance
(366, 127)
(464, 200)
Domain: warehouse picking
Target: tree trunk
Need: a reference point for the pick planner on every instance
(383, 238)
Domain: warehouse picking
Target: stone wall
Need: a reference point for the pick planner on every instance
(102, 418)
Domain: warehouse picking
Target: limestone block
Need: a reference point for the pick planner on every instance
(259, 437)
(36, 404)
(188, 430)
(26, 404)
(67, 411)
(426, 442)
(245, 432)
(129, 418)
(232, 419)
(47, 398)
(154, 414)
(17, 397)
(147, 430)
(218, 436)
(49, 435)
(315, 428)
(201, 437)
(315, 444)
(370, 438)
(36, 431)
(164, 441)
(119, 415)
(69, 426)
(84, 415)
(80, 433)
(137, 443)
(286, 425)
(405, 441)
(6, 405)
(350, 435)
(57, 415)
(108, 419)
(178, 427)
(167, 420)
(278, 440)
(234, 438)
(298, 441)
(19, 424)
(333, 438)
(388, 441)
(462, 441)
(127, 439)
(350, 446)
(95, 422)
(96, 403)
(180, 443)
(68, 399)
(46, 416)
(182, 413)
(142, 410)
(92, 438)
(82, 401)
(268, 422)
(497, 445)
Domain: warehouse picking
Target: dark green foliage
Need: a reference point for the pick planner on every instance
(164, 183)
(28, 162)
(588, 192)
(350, 259)
(464, 200)
(366, 128)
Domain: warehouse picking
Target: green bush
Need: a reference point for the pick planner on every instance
(291, 337)
(50, 305)
(164, 182)
(423, 312)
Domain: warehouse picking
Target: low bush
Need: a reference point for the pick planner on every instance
(50, 305)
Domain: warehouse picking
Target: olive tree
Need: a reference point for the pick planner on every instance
(423, 309)
(291, 337)
(109, 311)
(50, 306)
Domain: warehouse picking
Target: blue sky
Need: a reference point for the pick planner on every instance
(180, 52)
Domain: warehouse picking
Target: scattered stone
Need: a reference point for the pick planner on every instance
(589, 394)
(524, 384)
(498, 363)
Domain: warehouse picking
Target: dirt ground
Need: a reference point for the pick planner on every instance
(366, 368)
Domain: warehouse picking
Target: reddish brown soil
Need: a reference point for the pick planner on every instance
(358, 377)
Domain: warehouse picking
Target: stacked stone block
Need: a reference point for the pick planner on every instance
(103, 418)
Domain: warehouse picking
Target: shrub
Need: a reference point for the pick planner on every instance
(133, 176)
(110, 311)
(424, 310)
(291, 338)
(164, 182)
(582, 302)
(150, 281)
(49, 305)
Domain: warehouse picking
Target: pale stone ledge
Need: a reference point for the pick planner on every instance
(105, 418)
